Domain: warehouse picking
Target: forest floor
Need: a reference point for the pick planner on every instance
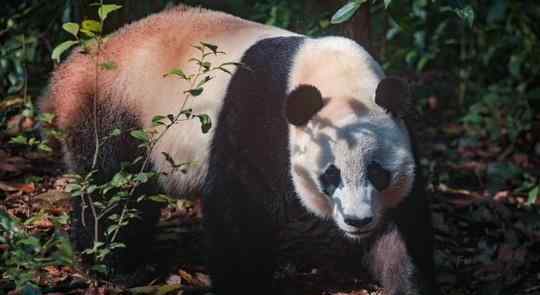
(487, 236)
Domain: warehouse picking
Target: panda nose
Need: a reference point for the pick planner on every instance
(357, 222)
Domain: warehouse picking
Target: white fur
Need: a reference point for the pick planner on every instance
(185, 142)
(344, 73)
(349, 132)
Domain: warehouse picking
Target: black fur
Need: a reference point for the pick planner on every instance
(393, 95)
(302, 104)
(248, 175)
(80, 147)
(248, 185)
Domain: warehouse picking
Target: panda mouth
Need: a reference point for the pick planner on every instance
(359, 232)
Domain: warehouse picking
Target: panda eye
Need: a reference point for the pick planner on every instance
(378, 176)
(330, 179)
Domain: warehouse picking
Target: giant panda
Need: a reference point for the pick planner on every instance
(308, 118)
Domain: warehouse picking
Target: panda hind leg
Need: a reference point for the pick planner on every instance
(127, 263)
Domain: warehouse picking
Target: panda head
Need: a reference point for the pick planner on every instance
(350, 156)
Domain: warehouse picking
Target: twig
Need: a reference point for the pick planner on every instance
(155, 142)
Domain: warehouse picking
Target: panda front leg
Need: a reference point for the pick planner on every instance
(400, 272)
(240, 242)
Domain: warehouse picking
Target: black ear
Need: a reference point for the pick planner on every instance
(302, 104)
(393, 95)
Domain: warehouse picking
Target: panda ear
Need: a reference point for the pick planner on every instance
(393, 95)
(302, 104)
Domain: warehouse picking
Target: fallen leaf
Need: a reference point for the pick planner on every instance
(502, 195)
(11, 102)
(186, 277)
(43, 223)
(6, 187)
(18, 124)
(26, 187)
(53, 197)
(174, 279)
(204, 280)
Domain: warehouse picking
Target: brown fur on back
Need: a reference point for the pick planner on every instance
(149, 47)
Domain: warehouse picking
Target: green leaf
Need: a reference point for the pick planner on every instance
(99, 268)
(170, 160)
(58, 50)
(387, 3)
(463, 10)
(113, 246)
(92, 26)
(237, 64)
(19, 139)
(212, 47)
(206, 65)
(44, 147)
(46, 118)
(142, 177)
(32, 141)
(533, 195)
(89, 34)
(140, 135)
(72, 28)
(30, 289)
(115, 132)
(497, 11)
(158, 120)
(231, 63)
(31, 242)
(204, 81)
(194, 92)
(120, 179)
(73, 187)
(92, 188)
(200, 48)
(514, 66)
(166, 289)
(8, 223)
(177, 72)
(206, 123)
(105, 9)
(346, 12)
(424, 60)
(109, 65)
(224, 70)
(161, 198)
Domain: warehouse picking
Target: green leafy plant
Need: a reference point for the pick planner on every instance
(110, 202)
(25, 255)
(26, 108)
(115, 195)
(347, 11)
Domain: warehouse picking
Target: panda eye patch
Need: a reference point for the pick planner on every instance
(330, 179)
(378, 176)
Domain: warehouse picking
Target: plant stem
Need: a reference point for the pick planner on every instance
(153, 143)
